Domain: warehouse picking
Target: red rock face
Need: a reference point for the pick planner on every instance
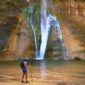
(71, 13)
(16, 36)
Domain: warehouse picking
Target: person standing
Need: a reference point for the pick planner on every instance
(23, 65)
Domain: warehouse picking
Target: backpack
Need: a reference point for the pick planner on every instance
(22, 65)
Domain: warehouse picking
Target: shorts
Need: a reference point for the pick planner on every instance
(24, 70)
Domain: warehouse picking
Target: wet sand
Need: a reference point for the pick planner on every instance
(44, 74)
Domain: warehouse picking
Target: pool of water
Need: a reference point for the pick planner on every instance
(59, 71)
(51, 71)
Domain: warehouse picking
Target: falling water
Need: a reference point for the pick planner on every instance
(44, 30)
(55, 24)
(36, 54)
(35, 37)
(46, 23)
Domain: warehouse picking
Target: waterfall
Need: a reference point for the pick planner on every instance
(44, 30)
(35, 36)
(55, 24)
(47, 22)
(35, 40)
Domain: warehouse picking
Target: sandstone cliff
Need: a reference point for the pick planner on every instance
(16, 36)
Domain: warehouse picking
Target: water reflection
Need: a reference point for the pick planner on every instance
(60, 72)
(43, 69)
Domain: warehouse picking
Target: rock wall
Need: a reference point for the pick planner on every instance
(16, 36)
(70, 14)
